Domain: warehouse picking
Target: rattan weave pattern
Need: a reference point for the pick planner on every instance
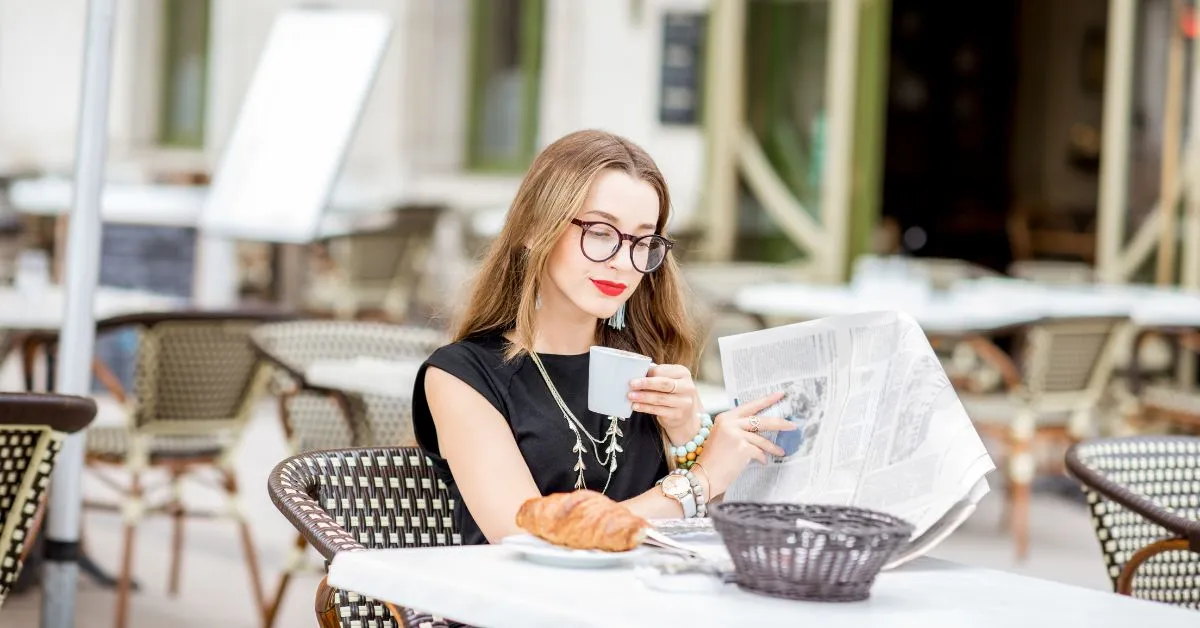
(314, 419)
(353, 499)
(808, 551)
(1143, 490)
(27, 457)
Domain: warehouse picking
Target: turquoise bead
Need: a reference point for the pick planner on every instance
(690, 447)
(704, 432)
(680, 452)
(698, 440)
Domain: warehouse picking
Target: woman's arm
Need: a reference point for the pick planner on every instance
(478, 445)
(488, 467)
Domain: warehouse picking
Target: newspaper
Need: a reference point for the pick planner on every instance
(879, 423)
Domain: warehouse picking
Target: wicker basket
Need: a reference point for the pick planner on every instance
(808, 551)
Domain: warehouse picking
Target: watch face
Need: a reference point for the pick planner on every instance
(676, 486)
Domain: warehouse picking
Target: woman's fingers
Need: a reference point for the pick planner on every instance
(662, 400)
(659, 384)
(764, 444)
(758, 405)
(767, 424)
(673, 371)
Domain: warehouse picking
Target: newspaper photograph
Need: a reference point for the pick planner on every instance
(880, 425)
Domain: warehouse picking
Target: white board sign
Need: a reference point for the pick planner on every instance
(275, 177)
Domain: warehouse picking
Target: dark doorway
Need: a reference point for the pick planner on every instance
(950, 108)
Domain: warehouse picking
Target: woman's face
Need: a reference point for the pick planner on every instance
(598, 289)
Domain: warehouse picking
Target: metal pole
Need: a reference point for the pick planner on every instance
(1114, 153)
(76, 345)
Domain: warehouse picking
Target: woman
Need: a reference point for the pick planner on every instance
(581, 261)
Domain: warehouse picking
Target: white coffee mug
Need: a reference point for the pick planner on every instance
(609, 373)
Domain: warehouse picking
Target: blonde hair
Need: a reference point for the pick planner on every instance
(553, 191)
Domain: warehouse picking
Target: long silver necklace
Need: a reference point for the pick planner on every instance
(609, 442)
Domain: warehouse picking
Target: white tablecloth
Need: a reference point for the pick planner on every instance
(490, 586)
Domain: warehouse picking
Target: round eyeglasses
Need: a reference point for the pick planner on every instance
(601, 241)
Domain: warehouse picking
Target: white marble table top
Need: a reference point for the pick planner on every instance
(174, 205)
(373, 376)
(975, 305)
(492, 586)
(43, 309)
(365, 376)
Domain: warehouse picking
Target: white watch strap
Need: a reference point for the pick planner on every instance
(689, 504)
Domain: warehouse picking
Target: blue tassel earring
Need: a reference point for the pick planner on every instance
(617, 321)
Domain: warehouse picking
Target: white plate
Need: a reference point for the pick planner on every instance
(539, 551)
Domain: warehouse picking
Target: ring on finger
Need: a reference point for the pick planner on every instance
(674, 385)
(754, 423)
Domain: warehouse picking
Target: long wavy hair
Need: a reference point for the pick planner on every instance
(504, 295)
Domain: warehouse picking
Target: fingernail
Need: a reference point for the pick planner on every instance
(633, 395)
(638, 383)
(637, 407)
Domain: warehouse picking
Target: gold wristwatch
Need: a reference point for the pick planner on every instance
(678, 487)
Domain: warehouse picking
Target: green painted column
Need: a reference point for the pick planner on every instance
(870, 119)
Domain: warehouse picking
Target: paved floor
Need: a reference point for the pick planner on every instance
(215, 588)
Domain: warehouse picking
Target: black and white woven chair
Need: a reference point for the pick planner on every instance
(349, 500)
(1144, 493)
(32, 428)
(315, 418)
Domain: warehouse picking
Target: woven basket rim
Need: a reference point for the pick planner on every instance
(893, 524)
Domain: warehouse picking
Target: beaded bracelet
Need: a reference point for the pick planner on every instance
(697, 491)
(687, 454)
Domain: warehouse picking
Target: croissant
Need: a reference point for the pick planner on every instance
(582, 519)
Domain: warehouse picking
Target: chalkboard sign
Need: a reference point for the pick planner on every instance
(680, 88)
(148, 257)
(141, 257)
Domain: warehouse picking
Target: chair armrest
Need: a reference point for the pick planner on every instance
(1184, 339)
(289, 485)
(1183, 527)
(1190, 340)
(997, 358)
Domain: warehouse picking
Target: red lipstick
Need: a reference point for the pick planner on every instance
(609, 288)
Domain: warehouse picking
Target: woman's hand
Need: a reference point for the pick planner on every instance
(669, 393)
(734, 441)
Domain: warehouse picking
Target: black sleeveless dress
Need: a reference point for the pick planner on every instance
(516, 389)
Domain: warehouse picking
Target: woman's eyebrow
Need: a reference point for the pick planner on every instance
(611, 218)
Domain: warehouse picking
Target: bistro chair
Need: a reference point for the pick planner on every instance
(317, 419)
(195, 386)
(1144, 495)
(32, 429)
(1051, 394)
(348, 500)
